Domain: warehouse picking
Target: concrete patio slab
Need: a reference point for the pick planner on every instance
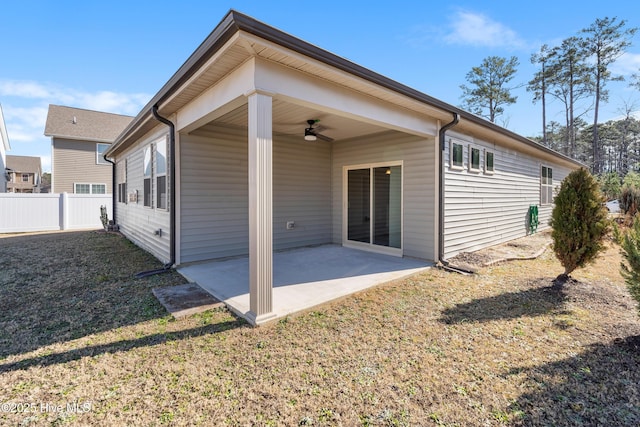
(185, 300)
(302, 278)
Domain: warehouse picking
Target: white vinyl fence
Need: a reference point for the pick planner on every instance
(50, 211)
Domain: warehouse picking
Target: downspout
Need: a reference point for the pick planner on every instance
(441, 136)
(172, 196)
(113, 188)
(172, 172)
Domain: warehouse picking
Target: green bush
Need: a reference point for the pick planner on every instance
(631, 263)
(630, 200)
(579, 222)
(631, 179)
(610, 184)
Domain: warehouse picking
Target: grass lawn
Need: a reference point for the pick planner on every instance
(84, 343)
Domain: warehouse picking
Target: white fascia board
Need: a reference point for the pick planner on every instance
(225, 96)
(302, 89)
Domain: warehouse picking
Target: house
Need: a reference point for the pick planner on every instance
(24, 174)
(4, 147)
(79, 138)
(262, 142)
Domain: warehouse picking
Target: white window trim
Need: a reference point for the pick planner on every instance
(91, 185)
(149, 177)
(123, 195)
(545, 186)
(99, 159)
(24, 175)
(451, 165)
(493, 153)
(164, 174)
(471, 168)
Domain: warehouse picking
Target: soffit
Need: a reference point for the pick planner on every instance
(291, 119)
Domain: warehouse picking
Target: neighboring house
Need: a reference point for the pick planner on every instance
(223, 162)
(24, 173)
(4, 147)
(78, 139)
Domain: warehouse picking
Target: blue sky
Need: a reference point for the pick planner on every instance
(113, 56)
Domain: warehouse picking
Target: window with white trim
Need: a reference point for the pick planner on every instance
(122, 184)
(161, 173)
(147, 165)
(474, 159)
(488, 162)
(89, 188)
(100, 149)
(25, 177)
(456, 155)
(546, 185)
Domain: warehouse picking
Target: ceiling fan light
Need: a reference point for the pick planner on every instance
(309, 134)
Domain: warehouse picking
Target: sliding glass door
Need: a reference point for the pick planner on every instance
(373, 217)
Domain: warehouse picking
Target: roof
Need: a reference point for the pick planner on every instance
(3, 132)
(24, 164)
(173, 94)
(77, 123)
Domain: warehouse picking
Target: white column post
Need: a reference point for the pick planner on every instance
(260, 208)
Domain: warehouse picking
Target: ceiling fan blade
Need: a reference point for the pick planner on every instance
(324, 137)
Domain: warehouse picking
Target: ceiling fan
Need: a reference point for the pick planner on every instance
(313, 133)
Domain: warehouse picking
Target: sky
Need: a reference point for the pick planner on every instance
(114, 56)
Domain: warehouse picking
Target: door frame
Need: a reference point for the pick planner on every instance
(371, 247)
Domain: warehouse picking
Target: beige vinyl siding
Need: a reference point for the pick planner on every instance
(482, 209)
(137, 222)
(75, 161)
(214, 192)
(419, 184)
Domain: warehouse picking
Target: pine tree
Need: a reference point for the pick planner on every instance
(579, 222)
(488, 93)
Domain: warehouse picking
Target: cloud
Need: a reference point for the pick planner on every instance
(26, 103)
(627, 64)
(109, 101)
(476, 29)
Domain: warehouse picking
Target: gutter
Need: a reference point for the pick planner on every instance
(441, 139)
(113, 188)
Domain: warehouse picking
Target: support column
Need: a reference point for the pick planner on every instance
(260, 208)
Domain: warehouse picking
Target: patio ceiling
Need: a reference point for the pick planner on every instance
(291, 119)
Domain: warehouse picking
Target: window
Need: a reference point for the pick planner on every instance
(25, 177)
(474, 159)
(82, 188)
(100, 149)
(161, 174)
(546, 186)
(488, 162)
(147, 169)
(122, 185)
(456, 156)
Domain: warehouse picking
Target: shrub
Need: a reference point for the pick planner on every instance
(631, 253)
(630, 200)
(579, 222)
(631, 179)
(610, 185)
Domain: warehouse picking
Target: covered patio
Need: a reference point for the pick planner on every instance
(302, 278)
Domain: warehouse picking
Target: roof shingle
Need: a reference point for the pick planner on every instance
(77, 123)
(26, 164)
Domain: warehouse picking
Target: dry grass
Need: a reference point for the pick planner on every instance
(499, 348)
